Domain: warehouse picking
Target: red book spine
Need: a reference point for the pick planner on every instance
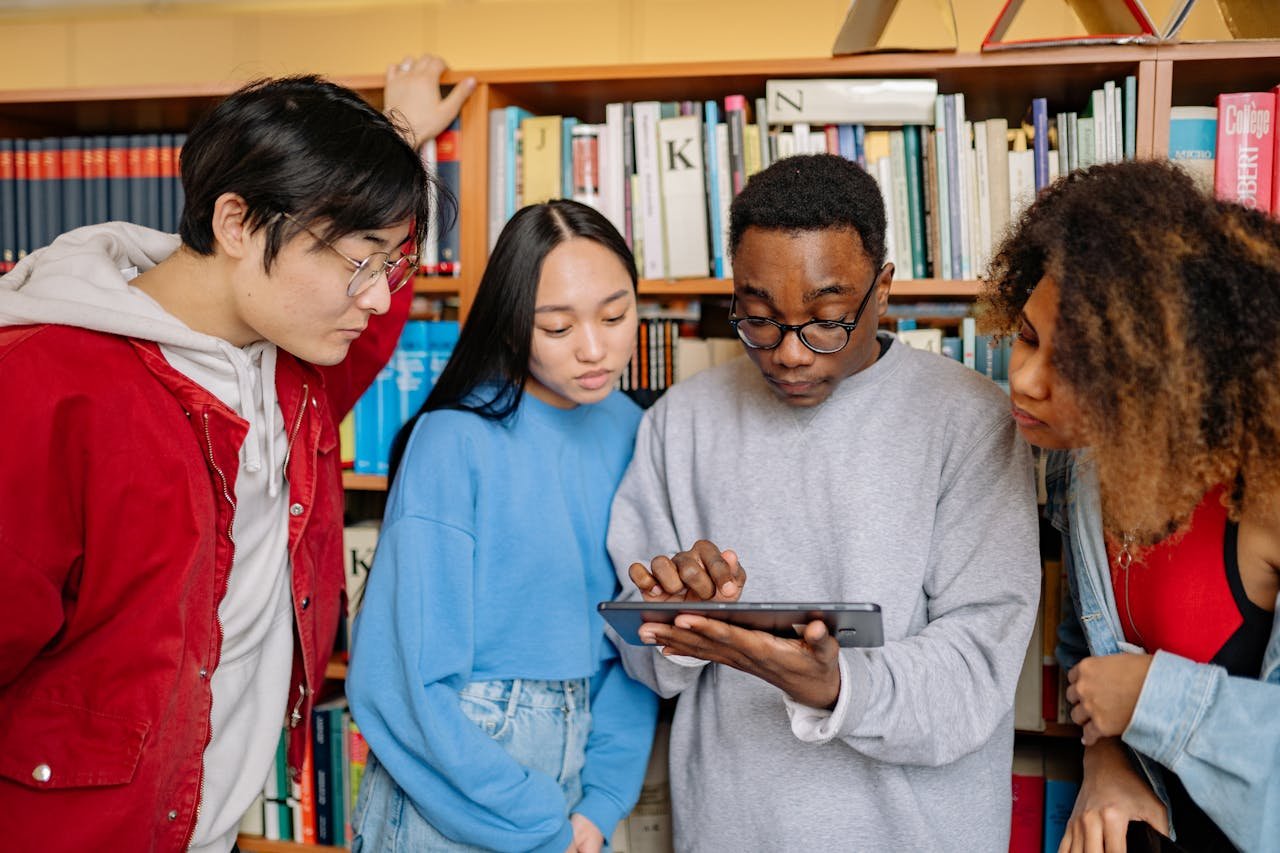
(1275, 160)
(1028, 814)
(307, 795)
(1246, 148)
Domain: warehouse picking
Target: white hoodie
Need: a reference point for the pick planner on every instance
(83, 279)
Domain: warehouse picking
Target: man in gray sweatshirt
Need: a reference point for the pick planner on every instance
(832, 464)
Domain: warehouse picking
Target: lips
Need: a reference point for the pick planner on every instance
(594, 379)
(1024, 418)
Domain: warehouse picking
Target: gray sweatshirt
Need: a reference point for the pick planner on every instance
(909, 487)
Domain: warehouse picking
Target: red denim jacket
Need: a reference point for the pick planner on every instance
(117, 484)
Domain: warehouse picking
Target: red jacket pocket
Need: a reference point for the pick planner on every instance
(49, 744)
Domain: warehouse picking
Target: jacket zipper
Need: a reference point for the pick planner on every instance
(297, 424)
(227, 496)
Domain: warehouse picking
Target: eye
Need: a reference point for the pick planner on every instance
(555, 333)
(615, 320)
(1025, 335)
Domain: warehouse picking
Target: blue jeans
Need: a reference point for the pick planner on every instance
(541, 724)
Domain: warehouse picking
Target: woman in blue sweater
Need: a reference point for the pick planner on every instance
(496, 711)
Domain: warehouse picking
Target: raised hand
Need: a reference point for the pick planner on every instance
(412, 96)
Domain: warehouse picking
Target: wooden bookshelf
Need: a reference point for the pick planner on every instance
(363, 482)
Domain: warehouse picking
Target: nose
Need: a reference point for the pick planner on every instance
(376, 298)
(591, 344)
(1029, 374)
(791, 351)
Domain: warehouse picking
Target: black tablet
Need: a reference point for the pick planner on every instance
(852, 624)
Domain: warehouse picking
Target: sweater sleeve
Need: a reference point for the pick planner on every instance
(623, 715)
(1217, 732)
(934, 697)
(345, 381)
(413, 652)
(642, 526)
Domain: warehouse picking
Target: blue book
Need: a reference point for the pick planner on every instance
(96, 192)
(566, 156)
(72, 182)
(844, 142)
(137, 182)
(151, 181)
(168, 166)
(35, 195)
(911, 137)
(118, 178)
(21, 223)
(1193, 142)
(179, 196)
(413, 381)
(711, 159)
(952, 133)
(442, 337)
(370, 409)
(1040, 122)
(1130, 117)
(8, 208)
(449, 170)
(859, 144)
(51, 166)
(1059, 800)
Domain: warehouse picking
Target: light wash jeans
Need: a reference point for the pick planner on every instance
(541, 724)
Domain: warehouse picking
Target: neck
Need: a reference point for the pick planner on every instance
(200, 292)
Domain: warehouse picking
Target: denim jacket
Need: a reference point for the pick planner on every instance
(1220, 734)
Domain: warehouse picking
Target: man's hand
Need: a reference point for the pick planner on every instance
(807, 669)
(587, 837)
(703, 573)
(1111, 795)
(1103, 693)
(412, 95)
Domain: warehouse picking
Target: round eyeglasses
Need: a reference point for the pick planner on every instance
(398, 272)
(821, 336)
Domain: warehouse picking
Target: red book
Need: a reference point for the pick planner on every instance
(1275, 159)
(1246, 148)
(307, 797)
(1028, 814)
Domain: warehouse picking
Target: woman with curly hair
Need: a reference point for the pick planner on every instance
(1146, 358)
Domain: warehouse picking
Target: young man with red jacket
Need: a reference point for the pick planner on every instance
(171, 517)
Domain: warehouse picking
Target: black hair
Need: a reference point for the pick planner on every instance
(812, 192)
(489, 367)
(306, 147)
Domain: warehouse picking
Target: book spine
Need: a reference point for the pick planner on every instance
(954, 199)
(137, 189)
(912, 135)
(449, 168)
(8, 208)
(1246, 142)
(51, 166)
(73, 186)
(710, 156)
(35, 194)
(1040, 141)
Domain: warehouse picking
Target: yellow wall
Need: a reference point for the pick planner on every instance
(167, 42)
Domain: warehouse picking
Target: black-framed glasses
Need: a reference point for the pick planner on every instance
(398, 272)
(821, 336)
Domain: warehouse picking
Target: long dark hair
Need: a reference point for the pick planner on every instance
(496, 341)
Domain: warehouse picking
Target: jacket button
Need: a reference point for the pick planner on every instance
(173, 814)
(306, 602)
(204, 673)
(295, 509)
(42, 773)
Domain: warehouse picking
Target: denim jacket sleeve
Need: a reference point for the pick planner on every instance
(1221, 735)
(1072, 647)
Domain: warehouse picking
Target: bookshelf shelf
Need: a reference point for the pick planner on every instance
(430, 285)
(336, 669)
(923, 288)
(363, 482)
(257, 844)
(1056, 730)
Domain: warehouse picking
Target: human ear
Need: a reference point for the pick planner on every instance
(230, 228)
(884, 282)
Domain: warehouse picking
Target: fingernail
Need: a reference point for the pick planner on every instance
(647, 638)
(729, 588)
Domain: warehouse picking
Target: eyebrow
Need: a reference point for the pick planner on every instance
(552, 309)
(811, 296)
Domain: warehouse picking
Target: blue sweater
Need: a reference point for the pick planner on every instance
(489, 566)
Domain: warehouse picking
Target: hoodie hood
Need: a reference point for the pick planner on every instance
(82, 279)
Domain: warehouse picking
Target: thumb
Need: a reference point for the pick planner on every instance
(458, 94)
(731, 557)
(820, 641)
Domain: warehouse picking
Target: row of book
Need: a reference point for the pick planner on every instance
(397, 393)
(1231, 149)
(1040, 696)
(317, 808)
(665, 173)
(55, 184)
(441, 250)
(1046, 781)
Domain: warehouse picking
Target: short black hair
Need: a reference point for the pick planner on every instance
(306, 147)
(812, 192)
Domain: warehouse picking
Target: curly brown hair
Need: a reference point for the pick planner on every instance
(1168, 334)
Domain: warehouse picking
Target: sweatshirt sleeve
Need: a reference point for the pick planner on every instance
(345, 381)
(641, 526)
(413, 652)
(934, 697)
(623, 715)
(1218, 733)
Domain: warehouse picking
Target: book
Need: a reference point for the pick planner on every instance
(1246, 142)
(882, 101)
(649, 182)
(1027, 828)
(540, 138)
(1193, 142)
(449, 168)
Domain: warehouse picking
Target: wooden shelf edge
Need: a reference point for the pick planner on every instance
(364, 482)
(1060, 730)
(430, 285)
(258, 844)
(336, 669)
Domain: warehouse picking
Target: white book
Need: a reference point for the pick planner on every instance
(612, 192)
(786, 144)
(818, 144)
(1109, 104)
(998, 176)
(359, 541)
(902, 258)
(800, 131)
(1022, 182)
(1028, 713)
(684, 194)
(851, 101)
(1098, 100)
(882, 171)
(498, 212)
(724, 191)
(1117, 120)
(646, 115)
(929, 340)
(429, 251)
(972, 264)
(968, 335)
(692, 355)
(964, 131)
(982, 161)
